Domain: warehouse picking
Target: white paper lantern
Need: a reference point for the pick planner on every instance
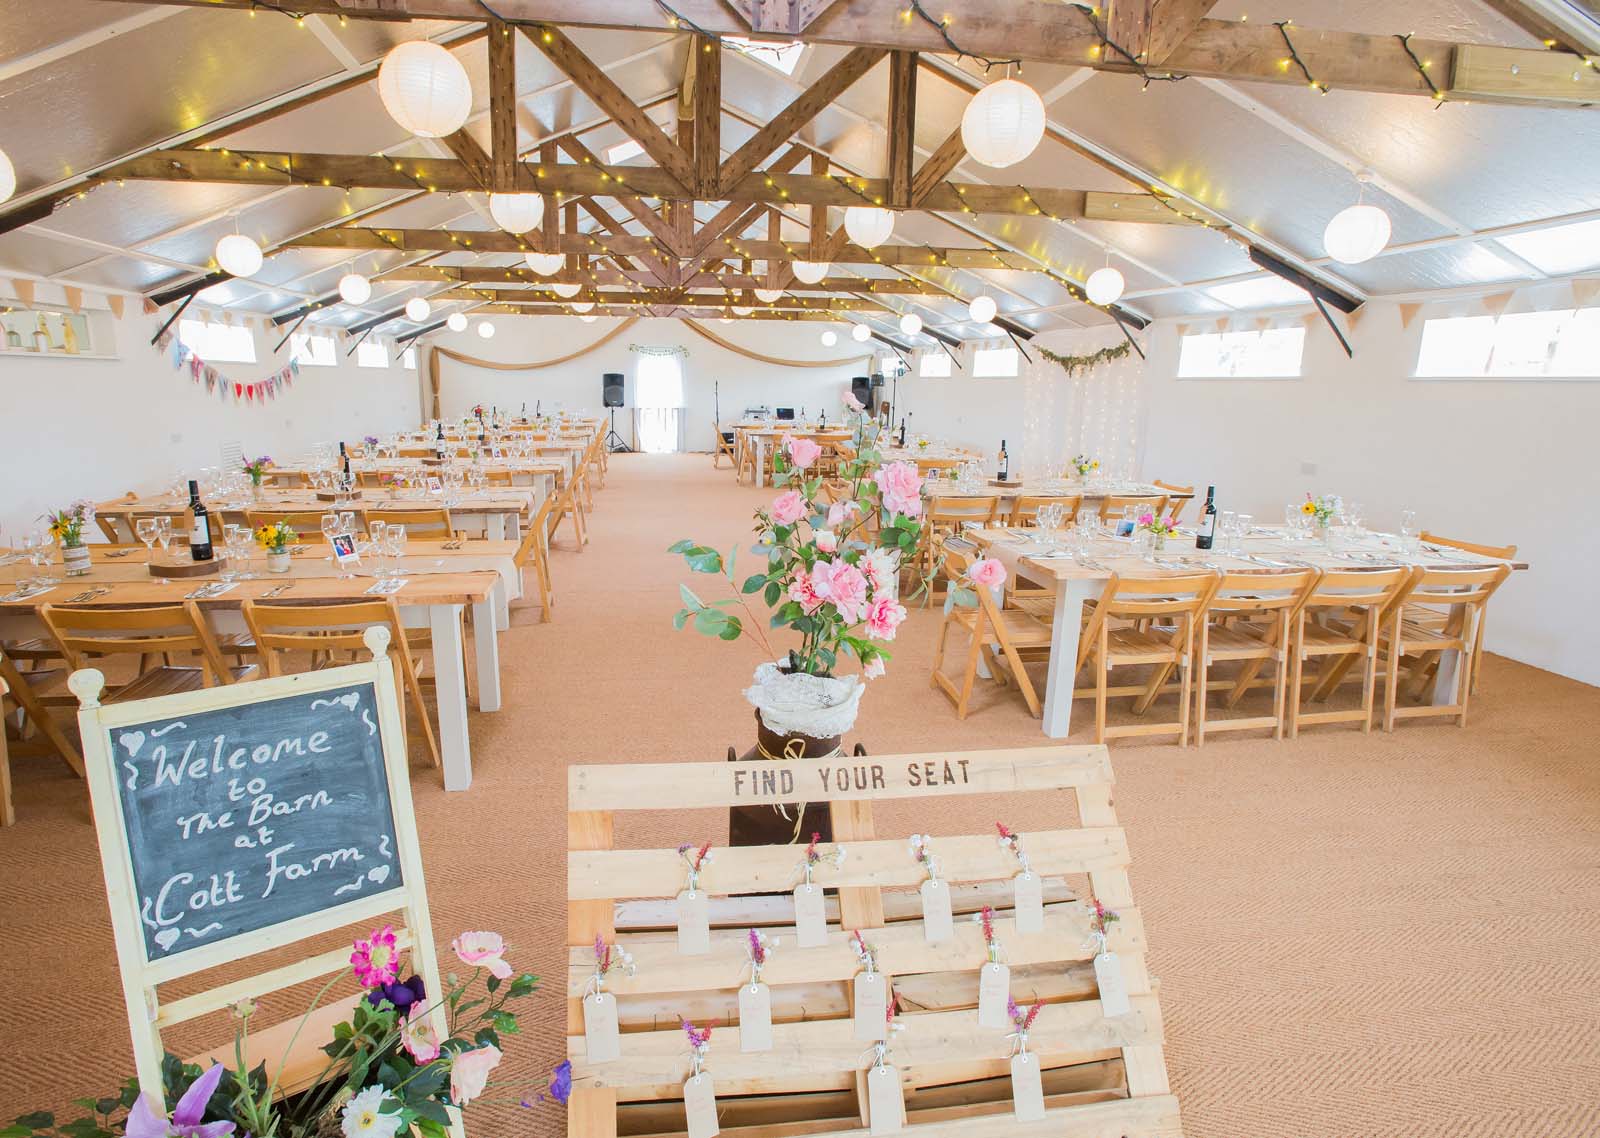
(238, 255)
(486, 330)
(768, 295)
(911, 324)
(583, 306)
(8, 177)
(982, 309)
(1003, 123)
(425, 89)
(355, 288)
(417, 309)
(861, 333)
(456, 322)
(810, 272)
(588, 318)
(517, 213)
(566, 289)
(1356, 234)
(867, 225)
(545, 264)
(830, 338)
(724, 320)
(742, 310)
(1104, 285)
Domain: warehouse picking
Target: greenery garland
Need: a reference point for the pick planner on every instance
(1075, 365)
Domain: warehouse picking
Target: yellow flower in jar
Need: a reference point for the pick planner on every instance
(1309, 508)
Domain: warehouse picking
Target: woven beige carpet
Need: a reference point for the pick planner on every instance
(1355, 935)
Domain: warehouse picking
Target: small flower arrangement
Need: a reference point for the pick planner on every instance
(1153, 523)
(1100, 917)
(611, 956)
(66, 526)
(985, 921)
(276, 537)
(922, 853)
(1085, 465)
(922, 444)
(760, 946)
(1022, 1020)
(257, 468)
(1322, 509)
(814, 856)
(369, 440)
(1011, 841)
(698, 858)
(699, 1041)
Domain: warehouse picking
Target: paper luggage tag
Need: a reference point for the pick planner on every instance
(886, 1103)
(937, 923)
(700, 1106)
(755, 1017)
(810, 916)
(1113, 989)
(1027, 902)
(1027, 1089)
(872, 1006)
(602, 1042)
(994, 990)
(694, 922)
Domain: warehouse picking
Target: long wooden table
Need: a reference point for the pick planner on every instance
(1075, 582)
(440, 583)
(1092, 494)
(766, 434)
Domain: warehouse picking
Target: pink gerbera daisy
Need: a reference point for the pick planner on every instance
(376, 960)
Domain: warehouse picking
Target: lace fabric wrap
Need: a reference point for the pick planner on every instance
(793, 703)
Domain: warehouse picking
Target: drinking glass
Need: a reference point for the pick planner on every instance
(395, 544)
(1409, 535)
(43, 555)
(30, 545)
(376, 533)
(347, 521)
(1049, 519)
(145, 529)
(1243, 524)
(329, 526)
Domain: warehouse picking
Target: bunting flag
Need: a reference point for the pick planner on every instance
(114, 301)
(1408, 313)
(74, 297)
(221, 386)
(1496, 304)
(1352, 319)
(1221, 324)
(1262, 323)
(23, 289)
(1586, 292)
(1310, 320)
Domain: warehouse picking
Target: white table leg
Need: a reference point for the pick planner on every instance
(501, 600)
(1070, 596)
(450, 678)
(761, 460)
(486, 646)
(1443, 692)
(494, 526)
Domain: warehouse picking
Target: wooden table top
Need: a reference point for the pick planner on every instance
(948, 488)
(495, 500)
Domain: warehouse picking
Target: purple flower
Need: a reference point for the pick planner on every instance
(401, 993)
(144, 1122)
(561, 1082)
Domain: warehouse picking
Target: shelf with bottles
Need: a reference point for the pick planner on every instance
(46, 330)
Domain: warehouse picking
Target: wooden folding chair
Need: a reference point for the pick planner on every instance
(945, 517)
(305, 523)
(1112, 505)
(1339, 624)
(1250, 620)
(33, 713)
(320, 630)
(86, 635)
(1175, 504)
(1464, 594)
(568, 504)
(995, 633)
(432, 522)
(1423, 616)
(535, 551)
(1025, 510)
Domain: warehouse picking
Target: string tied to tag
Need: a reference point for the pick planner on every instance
(1099, 918)
(864, 952)
(607, 957)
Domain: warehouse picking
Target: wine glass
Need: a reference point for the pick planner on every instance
(395, 545)
(330, 526)
(164, 536)
(1409, 535)
(30, 543)
(376, 533)
(145, 529)
(347, 521)
(1049, 518)
(43, 553)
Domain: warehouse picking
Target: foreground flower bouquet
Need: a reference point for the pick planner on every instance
(400, 1064)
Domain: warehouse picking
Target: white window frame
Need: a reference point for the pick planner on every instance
(942, 366)
(1241, 343)
(306, 349)
(408, 358)
(1501, 346)
(372, 353)
(219, 343)
(985, 359)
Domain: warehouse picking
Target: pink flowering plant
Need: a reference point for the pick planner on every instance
(1153, 523)
(833, 562)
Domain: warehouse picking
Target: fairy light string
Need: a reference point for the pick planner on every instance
(1294, 57)
(1133, 61)
(942, 26)
(1422, 70)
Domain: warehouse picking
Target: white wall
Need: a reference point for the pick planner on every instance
(94, 428)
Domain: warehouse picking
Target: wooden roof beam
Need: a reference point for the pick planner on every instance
(1150, 30)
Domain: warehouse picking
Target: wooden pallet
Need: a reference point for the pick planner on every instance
(1101, 1078)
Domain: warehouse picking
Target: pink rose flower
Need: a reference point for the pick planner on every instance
(841, 512)
(901, 488)
(883, 617)
(827, 541)
(803, 590)
(873, 668)
(988, 572)
(469, 1073)
(882, 570)
(1146, 519)
(852, 402)
(801, 452)
(483, 950)
(842, 584)
(788, 508)
(418, 1036)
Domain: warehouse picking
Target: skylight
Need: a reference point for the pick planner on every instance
(1563, 249)
(1259, 293)
(779, 55)
(622, 151)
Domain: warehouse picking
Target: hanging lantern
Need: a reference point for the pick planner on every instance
(566, 290)
(355, 289)
(417, 309)
(982, 309)
(810, 272)
(861, 333)
(742, 310)
(868, 226)
(456, 322)
(724, 320)
(588, 318)
(517, 213)
(1003, 123)
(238, 256)
(1356, 234)
(486, 330)
(911, 324)
(1104, 285)
(425, 89)
(830, 338)
(768, 295)
(8, 177)
(545, 264)
(583, 306)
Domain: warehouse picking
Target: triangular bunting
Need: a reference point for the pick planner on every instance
(1220, 325)
(1310, 320)
(1408, 313)
(1261, 323)
(1586, 292)
(74, 297)
(1352, 319)
(23, 289)
(238, 390)
(1495, 303)
(150, 308)
(115, 301)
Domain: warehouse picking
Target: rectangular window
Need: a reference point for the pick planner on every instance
(994, 363)
(408, 358)
(218, 343)
(890, 366)
(934, 365)
(1561, 344)
(371, 354)
(311, 350)
(1271, 354)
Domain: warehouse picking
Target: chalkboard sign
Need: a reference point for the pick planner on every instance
(243, 817)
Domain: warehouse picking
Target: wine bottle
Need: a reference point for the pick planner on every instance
(438, 444)
(199, 526)
(344, 459)
(1004, 462)
(1207, 528)
(902, 432)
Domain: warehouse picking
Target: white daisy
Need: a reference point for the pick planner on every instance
(364, 1118)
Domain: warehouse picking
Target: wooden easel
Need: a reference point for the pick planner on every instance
(1099, 1077)
(148, 1016)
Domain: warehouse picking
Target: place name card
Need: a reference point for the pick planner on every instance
(810, 916)
(1027, 902)
(872, 1007)
(602, 1038)
(694, 922)
(755, 1017)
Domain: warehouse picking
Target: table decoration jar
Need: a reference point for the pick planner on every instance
(276, 539)
(67, 528)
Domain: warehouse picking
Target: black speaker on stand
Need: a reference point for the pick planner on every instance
(861, 388)
(611, 395)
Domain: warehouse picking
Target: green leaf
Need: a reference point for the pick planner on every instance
(680, 546)
(710, 621)
(753, 583)
(680, 618)
(492, 984)
(83, 1128)
(432, 1112)
(522, 986)
(16, 1132)
(690, 601)
(704, 560)
(38, 1120)
(773, 592)
(505, 1022)
(732, 629)
(486, 1037)
(733, 553)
